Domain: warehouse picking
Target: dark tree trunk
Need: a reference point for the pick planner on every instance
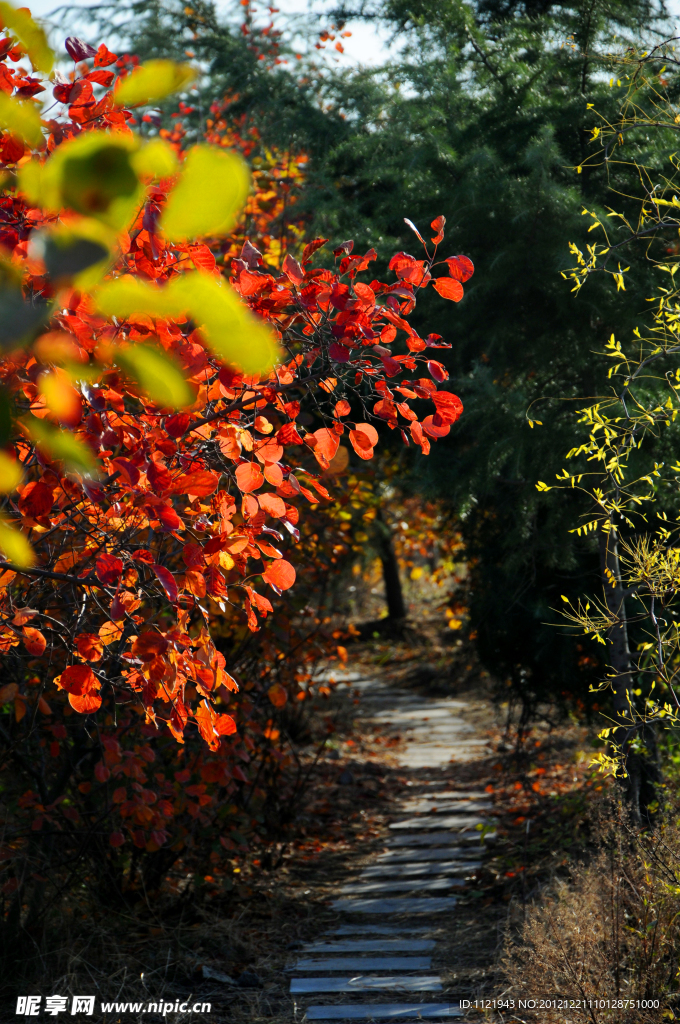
(393, 593)
(641, 760)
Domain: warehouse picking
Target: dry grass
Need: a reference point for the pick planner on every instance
(607, 933)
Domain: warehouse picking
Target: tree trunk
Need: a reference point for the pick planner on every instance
(396, 608)
(642, 765)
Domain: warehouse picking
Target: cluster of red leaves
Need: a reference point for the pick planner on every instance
(180, 545)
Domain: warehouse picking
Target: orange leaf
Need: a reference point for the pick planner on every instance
(85, 704)
(460, 267)
(89, 646)
(449, 288)
(277, 695)
(279, 574)
(34, 641)
(78, 680)
(109, 632)
(248, 477)
(272, 504)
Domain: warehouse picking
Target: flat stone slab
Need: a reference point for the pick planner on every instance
(440, 838)
(418, 869)
(378, 929)
(399, 885)
(368, 983)
(426, 905)
(359, 964)
(461, 855)
(457, 821)
(372, 946)
(385, 1011)
(445, 806)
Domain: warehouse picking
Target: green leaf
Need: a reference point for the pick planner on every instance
(64, 258)
(21, 118)
(127, 295)
(210, 194)
(156, 374)
(61, 445)
(30, 34)
(151, 82)
(15, 546)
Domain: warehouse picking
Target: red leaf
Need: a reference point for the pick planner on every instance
(116, 838)
(34, 641)
(200, 484)
(89, 646)
(167, 581)
(36, 499)
(311, 248)
(460, 267)
(78, 680)
(205, 719)
(214, 582)
(279, 574)
(168, 518)
(326, 443)
(248, 477)
(342, 408)
(104, 57)
(437, 370)
(108, 569)
(101, 77)
(438, 226)
(288, 434)
(85, 704)
(293, 270)
(432, 430)
(449, 289)
(202, 258)
(392, 367)
(224, 725)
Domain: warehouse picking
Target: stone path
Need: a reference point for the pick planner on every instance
(433, 848)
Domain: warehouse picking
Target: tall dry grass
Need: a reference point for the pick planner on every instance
(603, 944)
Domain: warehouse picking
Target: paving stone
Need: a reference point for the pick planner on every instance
(405, 1012)
(368, 983)
(399, 885)
(457, 821)
(462, 854)
(418, 869)
(425, 905)
(366, 963)
(372, 946)
(439, 838)
(378, 929)
(435, 806)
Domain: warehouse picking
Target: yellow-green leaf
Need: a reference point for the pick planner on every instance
(128, 295)
(91, 174)
(11, 473)
(21, 119)
(234, 334)
(151, 82)
(209, 196)
(61, 445)
(15, 547)
(30, 34)
(156, 374)
(156, 159)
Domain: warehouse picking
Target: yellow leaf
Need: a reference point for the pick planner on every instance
(151, 82)
(156, 374)
(128, 295)
(234, 334)
(11, 473)
(210, 194)
(15, 547)
(60, 396)
(30, 34)
(21, 119)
